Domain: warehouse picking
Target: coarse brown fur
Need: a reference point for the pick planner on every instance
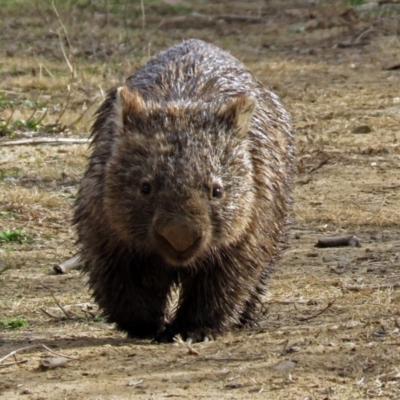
(188, 186)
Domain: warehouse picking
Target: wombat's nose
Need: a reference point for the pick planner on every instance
(179, 234)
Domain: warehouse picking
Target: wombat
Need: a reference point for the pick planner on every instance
(187, 191)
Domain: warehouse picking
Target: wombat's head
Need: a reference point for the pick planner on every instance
(179, 181)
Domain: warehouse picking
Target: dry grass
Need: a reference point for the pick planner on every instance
(334, 313)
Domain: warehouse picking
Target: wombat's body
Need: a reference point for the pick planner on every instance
(188, 186)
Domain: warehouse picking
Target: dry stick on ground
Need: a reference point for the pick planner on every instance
(33, 347)
(43, 140)
(191, 350)
(318, 313)
(338, 241)
(241, 18)
(66, 266)
(10, 364)
(375, 287)
(48, 314)
(58, 303)
(324, 161)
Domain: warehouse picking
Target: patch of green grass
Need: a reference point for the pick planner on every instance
(6, 102)
(5, 129)
(29, 125)
(180, 9)
(355, 3)
(9, 174)
(16, 235)
(10, 214)
(15, 323)
(4, 269)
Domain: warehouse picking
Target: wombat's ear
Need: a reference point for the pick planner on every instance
(239, 110)
(128, 102)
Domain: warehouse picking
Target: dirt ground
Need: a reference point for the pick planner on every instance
(331, 326)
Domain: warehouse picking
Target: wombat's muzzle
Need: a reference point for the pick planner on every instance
(180, 233)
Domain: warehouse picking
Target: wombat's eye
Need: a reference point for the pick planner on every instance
(146, 188)
(217, 192)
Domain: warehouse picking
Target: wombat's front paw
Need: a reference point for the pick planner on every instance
(190, 336)
(166, 335)
(196, 337)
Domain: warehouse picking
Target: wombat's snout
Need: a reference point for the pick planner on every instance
(180, 234)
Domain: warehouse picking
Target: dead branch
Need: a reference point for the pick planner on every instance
(234, 359)
(59, 304)
(43, 140)
(187, 344)
(17, 351)
(66, 266)
(338, 241)
(240, 18)
(318, 313)
(322, 162)
(47, 313)
(52, 363)
(10, 364)
(14, 352)
(58, 354)
(394, 285)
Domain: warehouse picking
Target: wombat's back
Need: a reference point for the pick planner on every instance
(195, 70)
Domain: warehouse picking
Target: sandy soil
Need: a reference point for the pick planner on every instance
(330, 328)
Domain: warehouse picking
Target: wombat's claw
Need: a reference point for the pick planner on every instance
(189, 340)
(193, 337)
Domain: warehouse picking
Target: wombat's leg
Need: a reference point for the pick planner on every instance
(137, 302)
(211, 302)
(253, 306)
(144, 314)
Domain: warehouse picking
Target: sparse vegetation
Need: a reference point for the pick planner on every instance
(15, 323)
(16, 235)
(355, 3)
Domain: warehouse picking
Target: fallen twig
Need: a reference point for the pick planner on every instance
(59, 304)
(338, 241)
(240, 18)
(54, 362)
(374, 287)
(47, 313)
(191, 350)
(48, 363)
(318, 313)
(322, 162)
(17, 351)
(58, 354)
(68, 265)
(10, 364)
(234, 359)
(43, 140)
(33, 347)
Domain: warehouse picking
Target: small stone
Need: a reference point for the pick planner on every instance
(362, 129)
